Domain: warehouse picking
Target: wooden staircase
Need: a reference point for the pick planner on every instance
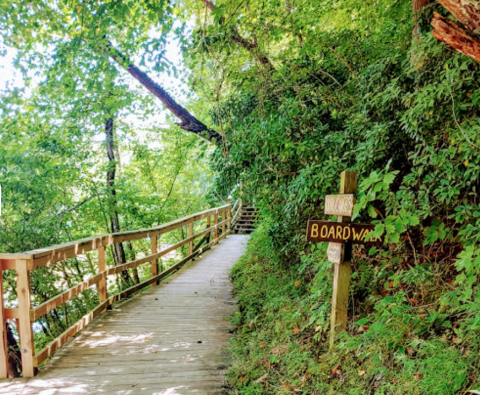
(245, 224)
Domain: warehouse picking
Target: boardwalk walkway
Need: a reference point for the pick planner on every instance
(166, 341)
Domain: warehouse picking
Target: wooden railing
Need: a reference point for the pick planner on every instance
(236, 210)
(24, 263)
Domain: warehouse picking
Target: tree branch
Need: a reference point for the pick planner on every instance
(188, 121)
(465, 11)
(455, 36)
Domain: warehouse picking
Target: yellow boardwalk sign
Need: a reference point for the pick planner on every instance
(340, 232)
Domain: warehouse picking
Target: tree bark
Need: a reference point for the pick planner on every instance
(114, 219)
(188, 121)
(455, 36)
(14, 357)
(417, 6)
(250, 46)
(466, 11)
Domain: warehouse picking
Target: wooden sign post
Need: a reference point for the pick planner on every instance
(341, 235)
(343, 253)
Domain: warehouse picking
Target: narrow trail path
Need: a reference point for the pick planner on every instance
(166, 341)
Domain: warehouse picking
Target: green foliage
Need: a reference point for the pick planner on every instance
(284, 322)
(349, 90)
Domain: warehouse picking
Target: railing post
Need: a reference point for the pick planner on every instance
(24, 305)
(190, 243)
(102, 267)
(215, 222)
(209, 224)
(3, 332)
(154, 251)
(229, 213)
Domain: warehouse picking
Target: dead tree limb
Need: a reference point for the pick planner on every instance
(452, 34)
(188, 121)
(467, 12)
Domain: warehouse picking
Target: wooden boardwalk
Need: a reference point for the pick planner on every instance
(166, 341)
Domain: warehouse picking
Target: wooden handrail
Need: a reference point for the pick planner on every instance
(26, 262)
(49, 255)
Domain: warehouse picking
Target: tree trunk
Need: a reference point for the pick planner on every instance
(452, 34)
(114, 219)
(14, 357)
(417, 6)
(465, 11)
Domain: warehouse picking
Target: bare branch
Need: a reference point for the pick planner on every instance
(188, 121)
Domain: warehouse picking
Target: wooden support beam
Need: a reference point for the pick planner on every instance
(342, 273)
(24, 305)
(102, 269)
(154, 251)
(215, 222)
(190, 243)
(209, 223)
(229, 213)
(3, 332)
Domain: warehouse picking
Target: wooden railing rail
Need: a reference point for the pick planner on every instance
(24, 263)
(237, 211)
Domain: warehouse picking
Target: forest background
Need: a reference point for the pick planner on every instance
(293, 92)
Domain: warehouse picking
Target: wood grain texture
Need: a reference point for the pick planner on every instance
(467, 12)
(454, 35)
(24, 304)
(339, 204)
(339, 232)
(3, 332)
(166, 340)
(341, 278)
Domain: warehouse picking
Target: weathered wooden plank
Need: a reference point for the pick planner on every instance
(24, 304)
(339, 204)
(342, 273)
(190, 234)
(102, 267)
(154, 250)
(339, 232)
(3, 332)
(334, 252)
(50, 255)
